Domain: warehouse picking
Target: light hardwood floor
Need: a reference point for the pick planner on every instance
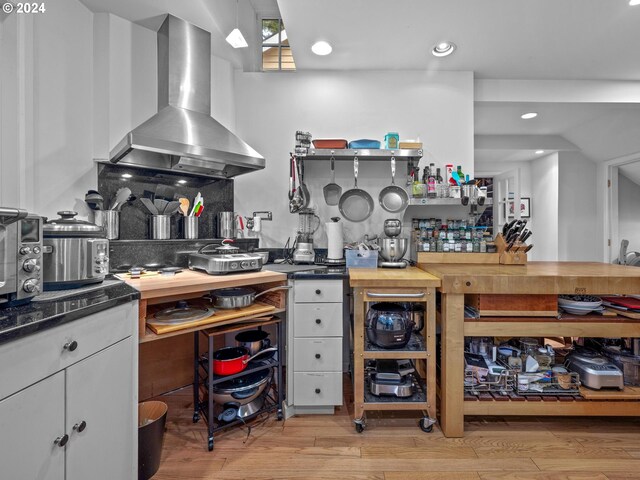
(393, 448)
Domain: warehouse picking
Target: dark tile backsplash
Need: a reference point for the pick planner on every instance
(134, 217)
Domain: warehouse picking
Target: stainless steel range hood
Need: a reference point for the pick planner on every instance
(182, 136)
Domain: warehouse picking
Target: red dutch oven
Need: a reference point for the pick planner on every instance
(232, 360)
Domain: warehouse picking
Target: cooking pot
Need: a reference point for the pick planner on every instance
(417, 315)
(238, 297)
(389, 325)
(231, 360)
(253, 340)
(75, 252)
(242, 390)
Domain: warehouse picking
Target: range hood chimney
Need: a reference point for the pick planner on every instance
(182, 136)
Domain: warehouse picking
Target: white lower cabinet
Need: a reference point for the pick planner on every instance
(81, 422)
(315, 346)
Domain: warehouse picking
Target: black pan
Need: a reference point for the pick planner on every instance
(356, 205)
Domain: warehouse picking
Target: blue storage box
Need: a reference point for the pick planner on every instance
(364, 143)
(362, 258)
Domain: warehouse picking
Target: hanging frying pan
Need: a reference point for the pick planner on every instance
(356, 205)
(392, 197)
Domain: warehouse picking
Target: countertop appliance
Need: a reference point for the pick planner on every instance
(304, 252)
(335, 243)
(392, 378)
(389, 325)
(20, 256)
(75, 252)
(220, 264)
(392, 246)
(595, 370)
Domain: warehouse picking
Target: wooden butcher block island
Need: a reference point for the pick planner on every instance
(166, 359)
(541, 279)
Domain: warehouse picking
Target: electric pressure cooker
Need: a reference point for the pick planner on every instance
(74, 253)
(389, 325)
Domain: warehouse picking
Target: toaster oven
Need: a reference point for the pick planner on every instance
(20, 256)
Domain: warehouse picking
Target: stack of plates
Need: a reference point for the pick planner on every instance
(580, 304)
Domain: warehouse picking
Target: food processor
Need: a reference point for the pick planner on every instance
(392, 246)
(308, 223)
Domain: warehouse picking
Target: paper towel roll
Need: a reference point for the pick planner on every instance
(257, 224)
(334, 240)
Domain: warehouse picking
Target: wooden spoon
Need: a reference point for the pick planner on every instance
(184, 206)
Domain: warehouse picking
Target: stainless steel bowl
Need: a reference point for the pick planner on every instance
(393, 249)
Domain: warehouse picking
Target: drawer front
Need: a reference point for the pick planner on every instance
(317, 320)
(322, 388)
(306, 291)
(37, 356)
(317, 354)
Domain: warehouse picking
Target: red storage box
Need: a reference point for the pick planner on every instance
(330, 143)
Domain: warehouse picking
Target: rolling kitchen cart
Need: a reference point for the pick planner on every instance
(402, 285)
(204, 380)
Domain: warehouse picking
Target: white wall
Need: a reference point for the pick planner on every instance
(438, 107)
(577, 209)
(544, 193)
(628, 212)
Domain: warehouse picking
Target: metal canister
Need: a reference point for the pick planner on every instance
(226, 225)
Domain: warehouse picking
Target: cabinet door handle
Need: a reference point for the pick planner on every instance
(318, 291)
(71, 346)
(318, 321)
(317, 390)
(318, 355)
(61, 441)
(79, 427)
(398, 295)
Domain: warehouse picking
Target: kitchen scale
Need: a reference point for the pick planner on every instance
(392, 378)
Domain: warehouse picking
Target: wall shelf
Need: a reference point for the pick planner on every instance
(445, 201)
(363, 154)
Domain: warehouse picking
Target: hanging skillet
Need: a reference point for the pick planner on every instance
(393, 198)
(356, 205)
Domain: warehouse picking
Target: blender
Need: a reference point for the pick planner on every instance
(304, 252)
(392, 246)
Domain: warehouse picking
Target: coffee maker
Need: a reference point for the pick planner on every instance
(308, 223)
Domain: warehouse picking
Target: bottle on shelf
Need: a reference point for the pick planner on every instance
(460, 173)
(431, 182)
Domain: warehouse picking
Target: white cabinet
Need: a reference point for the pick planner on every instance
(89, 404)
(315, 346)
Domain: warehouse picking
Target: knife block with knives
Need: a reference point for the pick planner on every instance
(513, 252)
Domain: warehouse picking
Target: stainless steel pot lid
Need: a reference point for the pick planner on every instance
(181, 313)
(245, 382)
(233, 292)
(68, 226)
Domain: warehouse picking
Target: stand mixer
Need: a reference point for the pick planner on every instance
(304, 252)
(392, 247)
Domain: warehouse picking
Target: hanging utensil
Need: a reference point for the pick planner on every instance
(291, 178)
(304, 191)
(332, 191)
(297, 201)
(393, 198)
(356, 205)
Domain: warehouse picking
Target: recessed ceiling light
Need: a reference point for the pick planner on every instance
(126, 175)
(236, 39)
(182, 182)
(321, 48)
(442, 49)
(527, 116)
(538, 152)
(633, 3)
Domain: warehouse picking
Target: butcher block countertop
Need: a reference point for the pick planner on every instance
(189, 282)
(392, 277)
(538, 278)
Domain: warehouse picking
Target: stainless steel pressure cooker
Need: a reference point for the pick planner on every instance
(75, 252)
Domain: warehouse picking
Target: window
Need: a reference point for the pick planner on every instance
(276, 52)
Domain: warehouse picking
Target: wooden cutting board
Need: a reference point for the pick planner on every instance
(217, 317)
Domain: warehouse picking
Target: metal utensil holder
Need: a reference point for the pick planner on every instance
(110, 221)
(552, 387)
(504, 383)
(190, 227)
(160, 227)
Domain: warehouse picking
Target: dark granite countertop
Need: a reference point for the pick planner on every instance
(20, 321)
(309, 272)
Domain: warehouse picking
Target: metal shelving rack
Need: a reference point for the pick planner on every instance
(364, 153)
(203, 381)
